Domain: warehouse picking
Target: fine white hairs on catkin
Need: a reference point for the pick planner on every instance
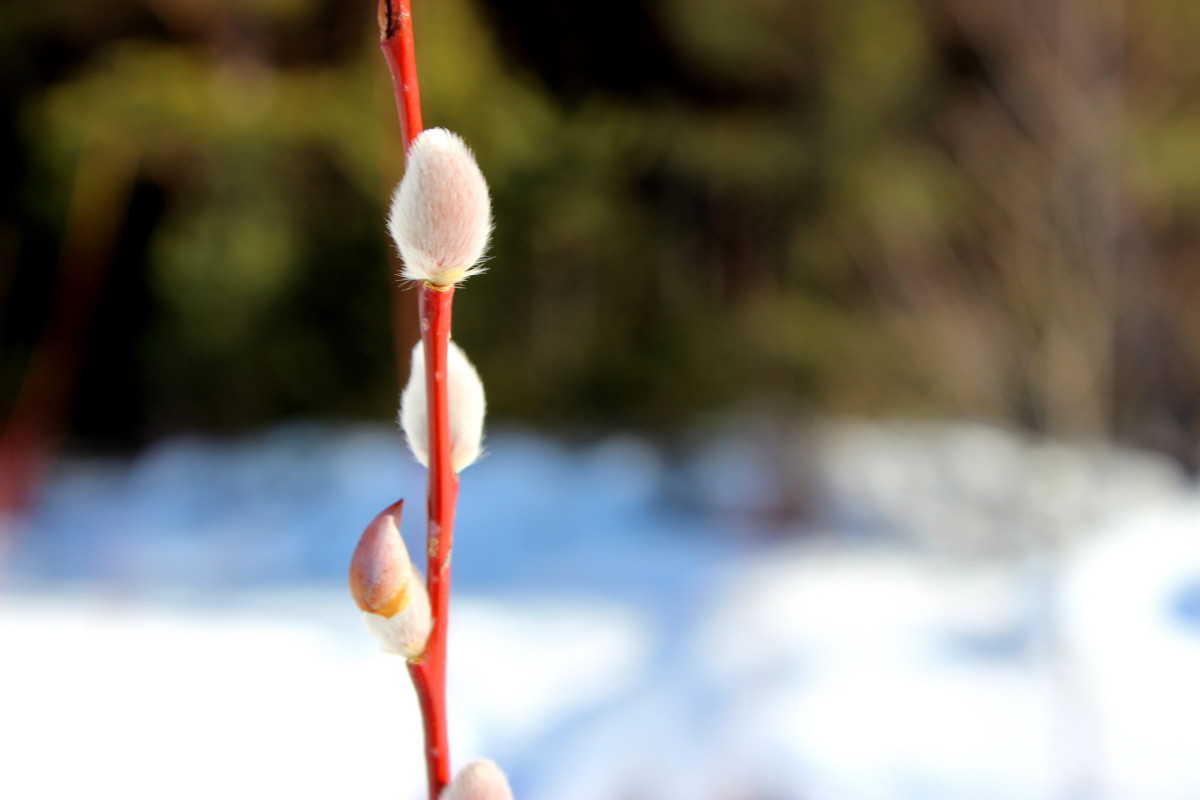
(441, 215)
(479, 780)
(384, 584)
(466, 403)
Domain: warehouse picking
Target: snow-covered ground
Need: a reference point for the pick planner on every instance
(968, 614)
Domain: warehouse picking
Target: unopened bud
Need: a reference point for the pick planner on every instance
(466, 404)
(479, 780)
(441, 215)
(392, 596)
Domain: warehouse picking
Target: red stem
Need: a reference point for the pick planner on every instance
(39, 419)
(395, 28)
(429, 674)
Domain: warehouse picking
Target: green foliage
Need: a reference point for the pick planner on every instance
(866, 206)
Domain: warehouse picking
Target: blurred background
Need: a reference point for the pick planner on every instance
(841, 357)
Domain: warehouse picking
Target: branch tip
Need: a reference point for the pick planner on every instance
(391, 14)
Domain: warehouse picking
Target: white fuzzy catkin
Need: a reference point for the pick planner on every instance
(388, 590)
(466, 403)
(441, 215)
(479, 780)
(406, 633)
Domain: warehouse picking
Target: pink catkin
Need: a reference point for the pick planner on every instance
(466, 403)
(479, 780)
(441, 214)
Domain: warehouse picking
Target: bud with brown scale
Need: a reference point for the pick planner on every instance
(392, 596)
